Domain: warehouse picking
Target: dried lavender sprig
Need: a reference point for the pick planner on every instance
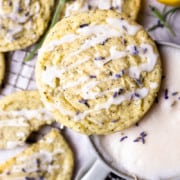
(162, 19)
(53, 22)
(171, 11)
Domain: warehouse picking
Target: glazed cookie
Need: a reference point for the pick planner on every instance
(22, 22)
(98, 72)
(20, 114)
(129, 7)
(2, 68)
(51, 158)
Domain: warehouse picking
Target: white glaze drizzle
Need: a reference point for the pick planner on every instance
(101, 32)
(75, 83)
(153, 85)
(30, 165)
(53, 72)
(114, 101)
(12, 144)
(93, 4)
(20, 118)
(53, 44)
(6, 154)
(151, 58)
(117, 4)
(123, 26)
(16, 122)
(134, 72)
(20, 134)
(60, 107)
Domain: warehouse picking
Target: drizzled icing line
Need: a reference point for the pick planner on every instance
(20, 118)
(114, 28)
(93, 4)
(40, 161)
(114, 101)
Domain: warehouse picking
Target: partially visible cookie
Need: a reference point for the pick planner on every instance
(2, 68)
(22, 22)
(129, 7)
(98, 72)
(21, 113)
(51, 158)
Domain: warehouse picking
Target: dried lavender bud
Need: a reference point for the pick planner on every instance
(138, 82)
(123, 41)
(145, 50)
(10, 3)
(137, 95)
(135, 51)
(114, 121)
(137, 139)
(166, 94)
(92, 76)
(117, 76)
(20, 9)
(120, 91)
(122, 72)
(174, 93)
(104, 42)
(123, 138)
(23, 170)
(141, 137)
(41, 178)
(99, 58)
(89, 7)
(118, 7)
(29, 178)
(38, 162)
(8, 173)
(83, 25)
(143, 134)
(27, 14)
(77, 113)
(85, 102)
(117, 93)
(124, 27)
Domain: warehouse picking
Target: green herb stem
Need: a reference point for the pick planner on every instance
(154, 27)
(53, 22)
(171, 11)
(57, 12)
(162, 19)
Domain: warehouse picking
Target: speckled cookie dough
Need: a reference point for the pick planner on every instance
(51, 158)
(98, 72)
(22, 22)
(129, 7)
(2, 68)
(21, 113)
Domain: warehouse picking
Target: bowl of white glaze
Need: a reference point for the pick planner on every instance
(149, 150)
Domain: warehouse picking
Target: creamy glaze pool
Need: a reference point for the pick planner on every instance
(151, 149)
